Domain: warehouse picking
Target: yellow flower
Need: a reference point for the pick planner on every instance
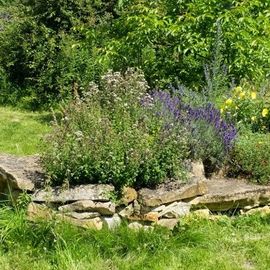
(238, 89)
(229, 101)
(253, 118)
(265, 111)
(242, 94)
(253, 95)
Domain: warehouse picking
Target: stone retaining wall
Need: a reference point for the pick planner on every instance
(91, 206)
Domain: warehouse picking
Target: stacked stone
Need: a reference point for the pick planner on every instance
(91, 206)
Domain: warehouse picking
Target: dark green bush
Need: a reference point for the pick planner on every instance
(251, 157)
(171, 41)
(43, 52)
(109, 137)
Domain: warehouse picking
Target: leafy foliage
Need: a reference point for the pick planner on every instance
(248, 107)
(108, 137)
(173, 39)
(51, 46)
(251, 157)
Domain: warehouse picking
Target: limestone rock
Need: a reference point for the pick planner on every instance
(83, 215)
(39, 212)
(112, 222)
(94, 223)
(259, 210)
(197, 169)
(78, 193)
(226, 194)
(137, 208)
(129, 195)
(21, 173)
(168, 223)
(135, 226)
(175, 210)
(151, 216)
(104, 208)
(171, 192)
(202, 213)
(127, 212)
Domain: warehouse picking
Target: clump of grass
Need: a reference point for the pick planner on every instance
(195, 244)
(21, 131)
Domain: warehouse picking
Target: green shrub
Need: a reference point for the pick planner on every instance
(171, 40)
(43, 52)
(249, 108)
(251, 157)
(52, 46)
(107, 136)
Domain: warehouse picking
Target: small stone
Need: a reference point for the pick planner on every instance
(175, 210)
(151, 216)
(39, 211)
(168, 223)
(137, 208)
(197, 169)
(112, 222)
(94, 223)
(135, 226)
(84, 215)
(202, 213)
(263, 211)
(104, 208)
(138, 226)
(127, 212)
(129, 195)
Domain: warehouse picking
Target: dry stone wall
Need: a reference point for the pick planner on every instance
(91, 206)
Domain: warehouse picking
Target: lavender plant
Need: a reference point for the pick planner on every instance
(211, 137)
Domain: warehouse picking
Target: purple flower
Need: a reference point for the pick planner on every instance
(172, 109)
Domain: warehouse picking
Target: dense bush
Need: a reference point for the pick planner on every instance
(43, 53)
(170, 40)
(249, 108)
(118, 133)
(108, 137)
(251, 157)
(50, 47)
(210, 137)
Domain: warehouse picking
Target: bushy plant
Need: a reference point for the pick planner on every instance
(43, 52)
(248, 107)
(251, 157)
(107, 136)
(210, 137)
(173, 40)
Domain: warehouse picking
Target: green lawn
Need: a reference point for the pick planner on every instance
(237, 243)
(21, 131)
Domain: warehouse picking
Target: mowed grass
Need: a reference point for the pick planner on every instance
(237, 243)
(21, 131)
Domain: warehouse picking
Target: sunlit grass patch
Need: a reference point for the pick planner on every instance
(21, 132)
